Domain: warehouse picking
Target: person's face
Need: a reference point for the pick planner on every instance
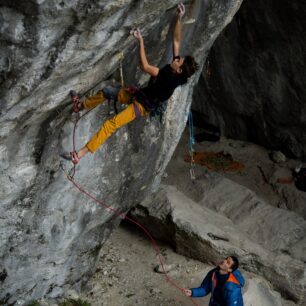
(226, 265)
(177, 63)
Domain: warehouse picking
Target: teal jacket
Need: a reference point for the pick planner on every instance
(231, 291)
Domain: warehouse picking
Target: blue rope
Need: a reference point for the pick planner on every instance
(191, 132)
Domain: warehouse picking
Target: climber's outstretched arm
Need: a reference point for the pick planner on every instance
(177, 35)
(144, 64)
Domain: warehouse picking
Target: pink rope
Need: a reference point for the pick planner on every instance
(122, 215)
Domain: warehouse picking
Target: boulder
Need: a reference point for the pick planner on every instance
(231, 220)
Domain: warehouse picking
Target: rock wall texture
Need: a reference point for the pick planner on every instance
(253, 86)
(50, 233)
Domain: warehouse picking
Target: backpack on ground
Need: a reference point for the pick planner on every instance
(300, 179)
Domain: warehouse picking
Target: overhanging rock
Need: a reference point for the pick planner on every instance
(51, 234)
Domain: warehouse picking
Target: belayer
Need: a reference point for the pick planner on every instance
(224, 283)
(161, 86)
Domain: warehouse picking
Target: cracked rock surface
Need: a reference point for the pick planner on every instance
(253, 86)
(50, 234)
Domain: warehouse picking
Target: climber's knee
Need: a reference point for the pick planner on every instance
(111, 92)
(125, 97)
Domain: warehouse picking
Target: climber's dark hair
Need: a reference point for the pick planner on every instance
(235, 264)
(189, 66)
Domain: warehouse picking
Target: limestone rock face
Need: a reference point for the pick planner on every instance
(253, 85)
(50, 233)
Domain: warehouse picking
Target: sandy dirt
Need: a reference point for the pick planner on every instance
(126, 276)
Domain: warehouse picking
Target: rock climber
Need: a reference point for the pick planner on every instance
(161, 86)
(223, 282)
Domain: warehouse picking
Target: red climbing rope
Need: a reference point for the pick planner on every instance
(118, 213)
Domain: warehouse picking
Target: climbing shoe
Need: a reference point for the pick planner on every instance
(72, 156)
(75, 99)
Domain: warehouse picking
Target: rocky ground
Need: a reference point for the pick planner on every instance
(262, 167)
(125, 274)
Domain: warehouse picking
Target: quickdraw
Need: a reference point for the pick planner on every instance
(191, 143)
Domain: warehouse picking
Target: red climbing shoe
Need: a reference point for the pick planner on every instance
(75, 99)
(72, 156)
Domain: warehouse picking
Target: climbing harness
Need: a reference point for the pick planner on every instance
(137, 110)
(191, 143)
(70, 174)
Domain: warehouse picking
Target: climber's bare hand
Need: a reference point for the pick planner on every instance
(180, 10)
(137, 34)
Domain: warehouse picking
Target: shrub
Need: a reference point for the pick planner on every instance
(73, 302)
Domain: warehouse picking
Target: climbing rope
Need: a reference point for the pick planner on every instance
(70, 176)
(124, 216)
(191, 143)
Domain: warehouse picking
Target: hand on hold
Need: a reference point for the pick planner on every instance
(180, 10)
(137, 34)
(187, 292)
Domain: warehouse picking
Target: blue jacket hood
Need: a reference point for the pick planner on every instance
(239, 277)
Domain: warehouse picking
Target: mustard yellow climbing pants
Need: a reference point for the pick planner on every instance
(110, 126)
